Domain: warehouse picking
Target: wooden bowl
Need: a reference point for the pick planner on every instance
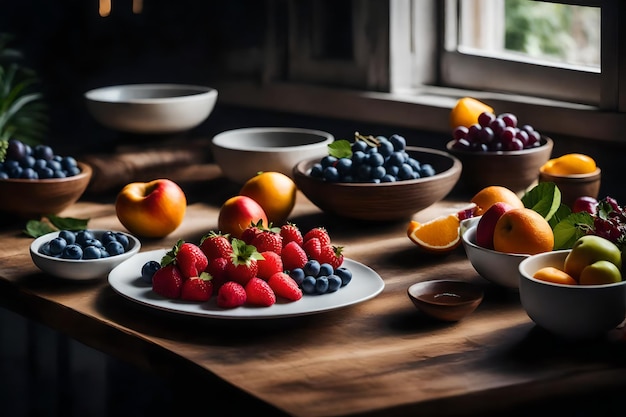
(446, 300)
(31, 199)
(393, 201)
(574, 186)
(515, 170)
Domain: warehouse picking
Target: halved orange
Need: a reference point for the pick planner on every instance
(466, 112)
(439, 235)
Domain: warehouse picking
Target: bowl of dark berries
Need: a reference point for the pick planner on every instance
(83, 254)
(34, 181)
(499, 151)
(377, 178)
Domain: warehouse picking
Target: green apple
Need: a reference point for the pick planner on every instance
(600, 272)
(588, 250)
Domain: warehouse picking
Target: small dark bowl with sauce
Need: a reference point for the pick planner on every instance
(446, 300)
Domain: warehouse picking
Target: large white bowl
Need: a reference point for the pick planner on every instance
(498, 267)
(80, 269)
(569, 311)
(151, 108)
(242, 153)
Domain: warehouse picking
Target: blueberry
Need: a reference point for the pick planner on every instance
(330, 174)
(334, 282)
(104, 253)
(312, 267)
(72, 252)
(297, 274)
(388, 178)
(386, 148)
(72, 171)
(92, 252)
(378, 172)
(308, 285)
(43, 152)
(399, 143)
(375, 159)
(114, 248)
(68, 163)
(57, 245)
(123, 239)
(16, 149)
(344, 165)
(4, 175)
(59, 174)
(148, 269)
(45, 173)
(28, 162)
(107, 237)
(326, 269)
(321, 285)
(359, 145)
(328, 161)
(83, 235)
(45, 249)
(68, 235)
(92, 242)
(427, 170)
(29, 174)
(54, 165)
(345, 274)
(406, 172)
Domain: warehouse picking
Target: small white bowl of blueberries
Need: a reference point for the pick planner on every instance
(84, 254)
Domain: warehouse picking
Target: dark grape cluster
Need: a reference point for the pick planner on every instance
(496, 133)
(316, 278)
(38, 162)
(372, 160)
(84, 244)
(609, 221)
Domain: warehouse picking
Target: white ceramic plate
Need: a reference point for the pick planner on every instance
(126, 280)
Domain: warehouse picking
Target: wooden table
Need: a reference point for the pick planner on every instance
(377, 358)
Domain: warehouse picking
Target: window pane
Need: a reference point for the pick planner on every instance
(532, 31)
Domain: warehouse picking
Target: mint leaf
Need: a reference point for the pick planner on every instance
(544, 198)
(68, 223)
(36, 228)
(560, 214)
(340, 149)
(52, 223)
(571, 228)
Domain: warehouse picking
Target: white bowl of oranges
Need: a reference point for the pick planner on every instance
(570, 304)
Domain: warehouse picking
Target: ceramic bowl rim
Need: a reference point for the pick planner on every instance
(197, 92)
(456, 166)
(476, 291)
(542, 147)
(220, 139)
(588, 176)
(85, 171)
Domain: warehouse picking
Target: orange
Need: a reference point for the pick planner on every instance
(466, 112)
(523, 230)
(492, 194)
(555, 275)
(275, 192)
(438, 235)
(570, 164)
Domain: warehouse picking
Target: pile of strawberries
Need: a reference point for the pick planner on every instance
(250, 270)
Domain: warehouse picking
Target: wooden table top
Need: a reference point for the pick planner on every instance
(377, 358)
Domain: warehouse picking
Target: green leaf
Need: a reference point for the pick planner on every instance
(560, 214)
(340, 149)
(544, 198)
(68, 223)
(36, 228)
(572, 228)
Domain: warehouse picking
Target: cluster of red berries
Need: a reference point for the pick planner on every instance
(250, 270)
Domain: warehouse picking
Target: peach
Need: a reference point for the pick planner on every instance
(237, 213)
(524, 231)
(151, 209)
(487, 224)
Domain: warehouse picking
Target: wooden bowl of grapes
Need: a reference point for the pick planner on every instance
(499, 151)
(374, 197)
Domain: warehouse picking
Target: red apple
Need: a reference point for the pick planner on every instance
(237, 213)
(585, 203)
(487, 224)
(151, 209)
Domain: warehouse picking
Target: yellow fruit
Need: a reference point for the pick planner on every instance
(523, 230)
(492, 194)
(466, 112)
(275, 192)
(555, 275)
(570, 164)
(441, 234)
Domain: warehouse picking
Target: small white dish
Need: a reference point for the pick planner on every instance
(80, 269)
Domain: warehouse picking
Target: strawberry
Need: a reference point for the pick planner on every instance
(197, 288)
(313, 248)
(331, 255)
(320, 233)
(291, 233)
(251, 231)
(284, 286)
(231, 295)
(216, 245)
(168, 281)
(217, 270)
(270, 264)
(268, 240)
(293, 256)
(259, 293)
(188, 257)
(242, 265)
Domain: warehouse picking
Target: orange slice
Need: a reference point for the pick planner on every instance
(439, 235)
(466, 112)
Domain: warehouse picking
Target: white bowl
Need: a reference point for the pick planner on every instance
(569, 311)
(151, 108)
(498, 267)
(242, 153)
(79, 269)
